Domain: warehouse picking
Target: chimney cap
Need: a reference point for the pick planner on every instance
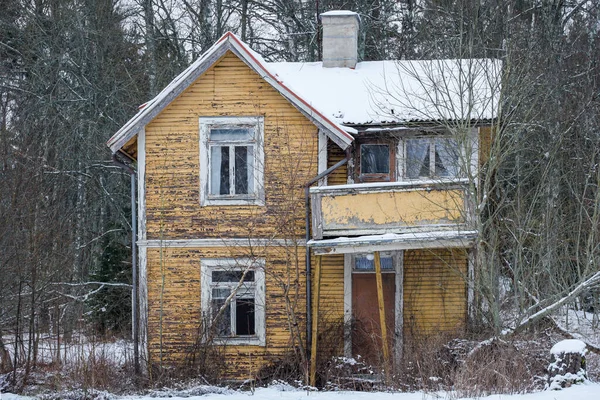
(340, 13)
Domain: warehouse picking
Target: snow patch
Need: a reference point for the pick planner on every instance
(569, 346)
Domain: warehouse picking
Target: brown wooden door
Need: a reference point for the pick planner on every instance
(366, 331)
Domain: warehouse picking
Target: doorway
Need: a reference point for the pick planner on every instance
(363, 335)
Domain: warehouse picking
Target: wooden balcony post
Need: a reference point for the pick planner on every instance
(315, 320)
(384, 341)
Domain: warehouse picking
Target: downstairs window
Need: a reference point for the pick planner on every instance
(233, 300)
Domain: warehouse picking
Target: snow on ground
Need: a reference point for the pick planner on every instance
(586, 391)
(79, 349)
(582, 325)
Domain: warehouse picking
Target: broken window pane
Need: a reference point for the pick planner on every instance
(244, 317)
(374, 159)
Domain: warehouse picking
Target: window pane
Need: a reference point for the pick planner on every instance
(374, 159)
(223, 322)
(219, 293)
(219, 170)
(230, 134)
(232, 276)
(446, 158)
(417, 158)
(241, 170)
(367, 263)
(244, 317)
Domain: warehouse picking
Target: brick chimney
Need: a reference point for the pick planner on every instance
(340, 39)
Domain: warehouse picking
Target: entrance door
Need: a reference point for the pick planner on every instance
(366, 328)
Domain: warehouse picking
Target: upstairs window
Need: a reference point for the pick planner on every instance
(231, 160)
(431, 158)
(376, 162)
(233, 297)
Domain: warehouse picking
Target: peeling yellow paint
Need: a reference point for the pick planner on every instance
(407, 208)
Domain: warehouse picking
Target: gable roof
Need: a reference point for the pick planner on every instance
(228, 42)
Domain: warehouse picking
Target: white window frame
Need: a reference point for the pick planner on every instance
(208, 265)
(255, 198)
(402, 157)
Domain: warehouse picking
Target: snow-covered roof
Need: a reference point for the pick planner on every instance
(379, 92)
(375, 92)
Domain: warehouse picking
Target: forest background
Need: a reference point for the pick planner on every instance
(73, 71)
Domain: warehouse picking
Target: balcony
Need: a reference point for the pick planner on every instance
(390, 207)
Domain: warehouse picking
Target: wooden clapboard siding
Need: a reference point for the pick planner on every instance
(331, 305)
(175, 312)
(435, 291)
(332, 287)
(229, 88)
(334, 155)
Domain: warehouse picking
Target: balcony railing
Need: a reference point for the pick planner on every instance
(389, 207)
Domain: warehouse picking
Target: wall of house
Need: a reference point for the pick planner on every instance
(229, 88)
(435, 295)
(335, 155)
(435, 291)
(174, 320)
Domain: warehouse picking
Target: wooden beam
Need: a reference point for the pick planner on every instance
(384, 341)
(315, 320)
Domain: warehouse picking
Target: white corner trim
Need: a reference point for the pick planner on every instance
(207, 265)
(141, 182)
(322, 157)
(142, 253)
(258, 198)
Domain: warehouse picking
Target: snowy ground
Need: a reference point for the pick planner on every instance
(588, 391)
(79, 349)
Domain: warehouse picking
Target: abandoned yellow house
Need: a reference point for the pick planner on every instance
(281, 202)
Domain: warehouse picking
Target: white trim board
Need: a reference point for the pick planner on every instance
(225, 242)
(425, 240)
(142, 254)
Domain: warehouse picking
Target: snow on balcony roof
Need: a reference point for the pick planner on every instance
(380, 92)
(394, 241)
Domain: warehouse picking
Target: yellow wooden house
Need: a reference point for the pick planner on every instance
(280, 204)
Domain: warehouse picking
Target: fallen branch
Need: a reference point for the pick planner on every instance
(585, 285)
